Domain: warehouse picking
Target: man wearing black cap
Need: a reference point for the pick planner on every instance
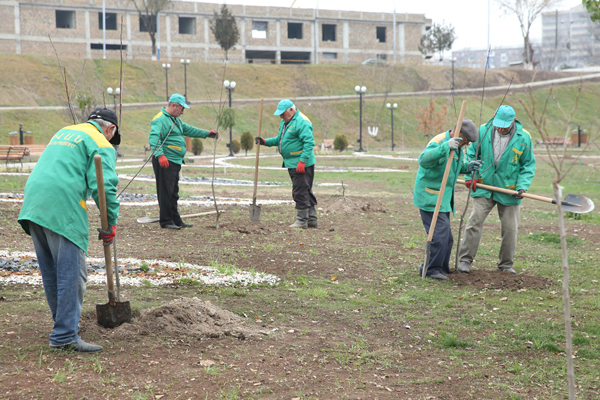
(54, 213)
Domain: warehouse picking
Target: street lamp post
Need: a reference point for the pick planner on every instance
(453, 61)
(114, 94)
(230, 86)
(361, 91)
(185, 64)
(166, 67)
(391, 107)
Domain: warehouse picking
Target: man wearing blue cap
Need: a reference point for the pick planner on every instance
(167, 141)
(295, 143)
(506, 152)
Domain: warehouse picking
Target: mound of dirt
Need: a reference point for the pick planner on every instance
(346, 206)
(189, 317)
(482, 279)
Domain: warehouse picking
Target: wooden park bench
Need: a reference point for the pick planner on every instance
(554, 142)
(13, 153)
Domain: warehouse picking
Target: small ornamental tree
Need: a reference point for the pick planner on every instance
(437, 40)
(197, 146)
(340, 143)
(225, 30)
(430, 121)
(235, 146)
(247, 141)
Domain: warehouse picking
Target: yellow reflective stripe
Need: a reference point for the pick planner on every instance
(526, 132)
(157, 115)
(438, 138)
(512, 186)
(174, 147)
(92, 132)
(432, 191)
(82, 204)
(304, 117)
(293, 153)
(517, 151)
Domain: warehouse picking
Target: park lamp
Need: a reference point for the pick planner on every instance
(166, 66)
(184, 61)
(229, 85)
(360, 89)
(395, 105)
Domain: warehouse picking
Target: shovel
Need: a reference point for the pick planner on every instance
(572, 203)
(148, 220)
(113, 313)
(255, 210)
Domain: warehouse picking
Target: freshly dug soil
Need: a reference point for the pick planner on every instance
(348, 207)
(483, 279)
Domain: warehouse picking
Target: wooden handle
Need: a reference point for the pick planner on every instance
(262, 102)
(104, 219)
(508, 191)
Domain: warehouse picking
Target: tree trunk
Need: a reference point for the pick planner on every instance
(565, 293)
(153, 39)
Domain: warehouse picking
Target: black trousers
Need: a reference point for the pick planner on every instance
(167, 190)
(441, 243)
(302, 187)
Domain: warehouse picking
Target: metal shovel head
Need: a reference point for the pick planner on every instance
(578, 204)
(111, 316)
(255, 213)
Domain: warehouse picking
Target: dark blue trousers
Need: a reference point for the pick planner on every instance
(441, 243)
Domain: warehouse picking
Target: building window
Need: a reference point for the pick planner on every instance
(151, 23)
(111, 21)
(98, 46)
(187, 26)
(382, 57)
(259, 29)
(65, 19)
(329, 56)
(294, 30)
(328, 32)
(381, 34)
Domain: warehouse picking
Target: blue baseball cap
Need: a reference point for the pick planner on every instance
(504, 117)
(179, 99)
(282, 106)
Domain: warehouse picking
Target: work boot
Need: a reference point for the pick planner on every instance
(312, 217)
(79, 346)
(301, 219)
(464, 266)
(170, 226)
(507, 269)
(184, 225)
(438, 276)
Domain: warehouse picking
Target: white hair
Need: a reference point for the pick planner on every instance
(293, 108)
(105, 124)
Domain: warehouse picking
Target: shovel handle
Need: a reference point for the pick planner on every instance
(508, 191)
(104, 220)
(260, 114)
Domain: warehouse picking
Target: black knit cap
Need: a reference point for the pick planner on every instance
(109, 116)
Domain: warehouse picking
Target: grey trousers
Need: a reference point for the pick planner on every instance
(509, 219)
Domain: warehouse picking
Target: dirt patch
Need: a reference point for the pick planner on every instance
(345, 206)
(499, 280)
(188, 317)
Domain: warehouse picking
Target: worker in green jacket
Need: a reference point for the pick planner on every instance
(55, 214)
(295, 143)
(506, 152)
(432, 165)
(167, 141)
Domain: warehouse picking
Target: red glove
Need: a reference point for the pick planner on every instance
(259, 140)
(473, 182)
(107, 235)
(213, 134)
(164, 163)
(300, 167)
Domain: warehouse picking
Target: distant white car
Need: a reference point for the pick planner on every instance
(373, 61)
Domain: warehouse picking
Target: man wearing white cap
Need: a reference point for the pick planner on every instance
(505, 150)
(295, 143)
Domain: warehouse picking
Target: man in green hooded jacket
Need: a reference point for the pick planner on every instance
(506, 152)
(295, 143)
(167, 141)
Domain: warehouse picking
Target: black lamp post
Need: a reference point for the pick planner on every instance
(391, 107)
(361, 91)
(185, 64)
(114, 94)
(230, 86)
(166, 67)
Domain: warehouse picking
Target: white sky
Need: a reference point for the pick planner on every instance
(469, 17)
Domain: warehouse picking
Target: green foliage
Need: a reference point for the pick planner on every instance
(227, 118)
(224, 28)
(438, 39)
(553, 238)
(447, 341)
(84, 103)
(593, 7)
(340, 143)
(235, 146)
(247, 141)
(197, 146)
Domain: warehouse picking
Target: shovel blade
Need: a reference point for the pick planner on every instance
(578, 204)
(255, 213)
(111, 316)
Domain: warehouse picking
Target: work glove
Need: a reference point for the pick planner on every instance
(259, 140)
(454, 142)
(164, 163)
(300, 167)
(213, 134)
(474, 166)
(472, 182)
(518, 194)
(108, 235)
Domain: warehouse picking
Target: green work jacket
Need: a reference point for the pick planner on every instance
(432, 164)
(174, 148)
(295, 142)
(515, 169)
(65, 177)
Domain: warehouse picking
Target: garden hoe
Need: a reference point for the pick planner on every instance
(113, 313)
(148, 220)
(255, 210)
(572, 203)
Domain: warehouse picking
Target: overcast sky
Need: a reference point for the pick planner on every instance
(469, 17)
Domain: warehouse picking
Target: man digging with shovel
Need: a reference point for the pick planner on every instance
(54, 213)
(295, 143)
(432, 164)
